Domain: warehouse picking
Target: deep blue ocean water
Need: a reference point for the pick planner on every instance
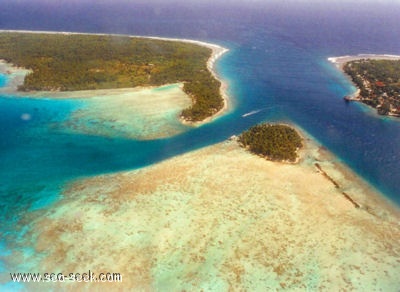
(277, 63)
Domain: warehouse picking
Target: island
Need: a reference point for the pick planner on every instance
(377, 78)
(220, 216)
(213, 218)
(72, 61)
(274, 142)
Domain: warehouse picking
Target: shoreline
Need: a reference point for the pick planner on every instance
(339, 63)
(222, 211)
(326, 163)
(341, 60)
(217, 52)
(15, 76)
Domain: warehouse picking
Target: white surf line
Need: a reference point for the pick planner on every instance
(361, 56)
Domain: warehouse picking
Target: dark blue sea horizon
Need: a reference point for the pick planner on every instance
(277, 63)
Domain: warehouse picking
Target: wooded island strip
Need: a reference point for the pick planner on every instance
(379, 84)
(69, 62)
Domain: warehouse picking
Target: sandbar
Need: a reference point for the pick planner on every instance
(220, 219)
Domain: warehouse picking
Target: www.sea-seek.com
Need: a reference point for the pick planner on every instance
(61, 277)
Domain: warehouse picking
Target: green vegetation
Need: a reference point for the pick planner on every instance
(275, 142)
(379, 83)
(65, 62)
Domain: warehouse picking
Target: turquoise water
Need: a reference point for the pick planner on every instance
(3, 80)
(26, 182)
(277, 69)
(134, 114)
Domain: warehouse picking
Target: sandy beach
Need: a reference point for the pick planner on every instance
(221, 219)
(340, 61)
(17, 74)
(217, 52)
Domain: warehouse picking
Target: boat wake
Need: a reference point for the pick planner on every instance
(254, 112)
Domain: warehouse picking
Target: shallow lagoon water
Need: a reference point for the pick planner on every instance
(141, 114)
(218, 218)
(39, 155)
(277, 68)
(3, 80)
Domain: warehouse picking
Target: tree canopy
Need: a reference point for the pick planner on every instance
(66, 62)
(275, 142)
(379, 83)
